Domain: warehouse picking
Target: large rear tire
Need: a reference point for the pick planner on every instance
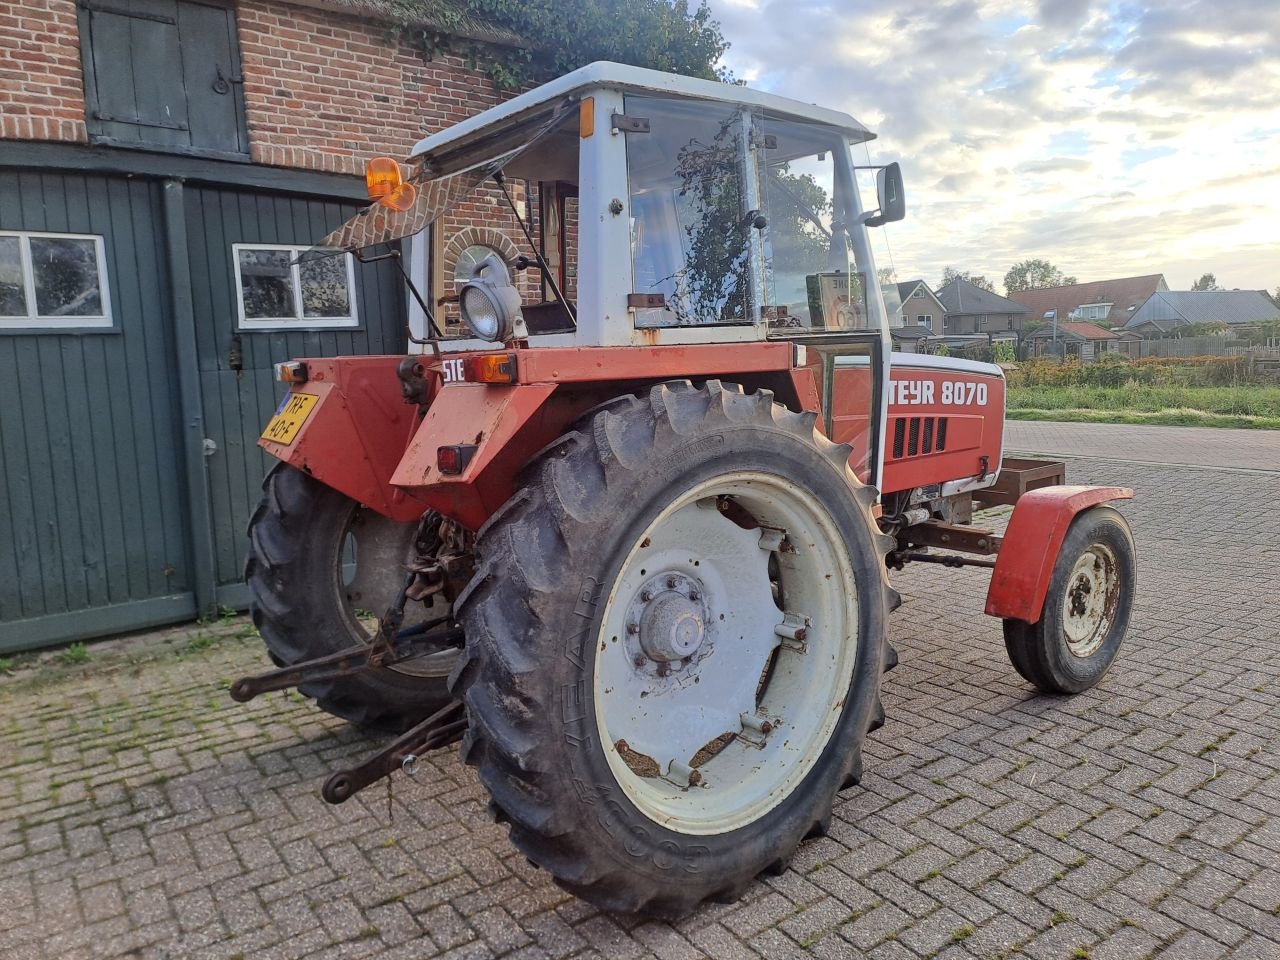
(675, 638)
(1086, 610)
(319, 563)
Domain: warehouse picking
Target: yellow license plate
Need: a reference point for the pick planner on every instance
(289, 418)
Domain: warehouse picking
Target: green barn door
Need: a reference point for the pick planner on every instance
(253, 308)
(93, 516)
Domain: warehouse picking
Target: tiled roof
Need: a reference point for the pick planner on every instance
(1081, 329)
(962, 297)
(1123, 294)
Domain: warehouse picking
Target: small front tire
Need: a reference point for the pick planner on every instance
(1086, 610)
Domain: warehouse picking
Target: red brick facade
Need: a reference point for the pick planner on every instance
(41, 89)
(322, 90)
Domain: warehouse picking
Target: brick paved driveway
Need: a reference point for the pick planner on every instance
(144, 814)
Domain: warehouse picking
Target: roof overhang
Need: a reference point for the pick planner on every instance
(604, 75)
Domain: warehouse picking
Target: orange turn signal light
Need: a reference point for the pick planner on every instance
(586, 117)
(387, 185)
(492, 368)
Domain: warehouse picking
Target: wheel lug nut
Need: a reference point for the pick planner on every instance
(694, 595)
(663, 668)
(672, 582)
(646, 595)
(638, 661)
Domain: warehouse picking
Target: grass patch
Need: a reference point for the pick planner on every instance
(74, 654)
(962, 933)
(1248, 407)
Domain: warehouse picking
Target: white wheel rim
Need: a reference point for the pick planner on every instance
(696, 735)
(1091, 600)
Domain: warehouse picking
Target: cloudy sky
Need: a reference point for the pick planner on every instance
(1112, 139)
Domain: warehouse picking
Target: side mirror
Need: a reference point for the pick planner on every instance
(893, 202)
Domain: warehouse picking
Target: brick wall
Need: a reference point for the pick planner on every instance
(324, 91)
(41, 89)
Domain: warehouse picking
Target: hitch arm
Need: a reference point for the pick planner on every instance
(440, 729)
(408, 643)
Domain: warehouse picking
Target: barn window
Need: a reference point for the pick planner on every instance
(282, 287)
(163, 75)
(52, 281)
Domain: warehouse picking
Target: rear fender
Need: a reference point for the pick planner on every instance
(506, 424)
(354, 436)
(1032, 540)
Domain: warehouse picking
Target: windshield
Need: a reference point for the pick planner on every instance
(733, 219)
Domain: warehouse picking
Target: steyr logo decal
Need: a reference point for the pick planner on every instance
(959, 393)
(454, 371)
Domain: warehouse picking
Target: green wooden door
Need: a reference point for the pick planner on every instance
(252, 310)
(94, 533)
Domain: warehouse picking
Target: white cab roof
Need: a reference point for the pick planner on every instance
(617, 76)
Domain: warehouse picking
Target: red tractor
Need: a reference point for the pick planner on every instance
(630, 504)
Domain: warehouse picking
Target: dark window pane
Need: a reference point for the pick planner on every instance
(324, 285)
(266, 284)
(13, 296)
(66, 277)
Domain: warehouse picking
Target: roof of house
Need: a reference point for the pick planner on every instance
(1176, 308)
(911, 331)
(1125, 295)
(447, 16)
(1073, 330)
(905, 289)
(962, 297)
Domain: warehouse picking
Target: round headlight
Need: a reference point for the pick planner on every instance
(481, 312)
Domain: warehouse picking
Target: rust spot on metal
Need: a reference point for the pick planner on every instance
(638, 763)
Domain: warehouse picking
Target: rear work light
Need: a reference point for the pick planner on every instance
(291, 371)
(492, 368)
(453, 459)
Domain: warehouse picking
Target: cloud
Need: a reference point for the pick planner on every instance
(1113, 138)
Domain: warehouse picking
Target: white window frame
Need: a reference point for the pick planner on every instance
(924, 320)
(33, 320)
(299, 322)
(918, 292)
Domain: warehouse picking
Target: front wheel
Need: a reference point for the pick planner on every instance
(675, 641)
(1086, 610)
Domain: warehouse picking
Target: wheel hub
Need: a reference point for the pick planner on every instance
(1090, 601)
(671, 623)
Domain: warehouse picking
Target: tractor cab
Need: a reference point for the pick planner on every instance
(618, 206)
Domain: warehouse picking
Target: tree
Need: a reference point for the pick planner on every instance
(951, 273)
(1207, 281)
(562, 35)
(887, 275)
(1033, 274)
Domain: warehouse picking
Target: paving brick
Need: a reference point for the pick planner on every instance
(191, 826)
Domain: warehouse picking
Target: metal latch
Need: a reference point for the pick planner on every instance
(620, 121)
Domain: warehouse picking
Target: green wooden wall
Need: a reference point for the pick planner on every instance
(104, 516)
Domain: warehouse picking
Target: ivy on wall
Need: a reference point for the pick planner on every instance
(562, 35)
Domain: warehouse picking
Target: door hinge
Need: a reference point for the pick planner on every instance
(620, 121)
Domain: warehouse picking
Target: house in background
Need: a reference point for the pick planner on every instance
(1077, 339)
(162, 165)
(1164, 312)
(972, 310)
(920, 306)
(1109, 303)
